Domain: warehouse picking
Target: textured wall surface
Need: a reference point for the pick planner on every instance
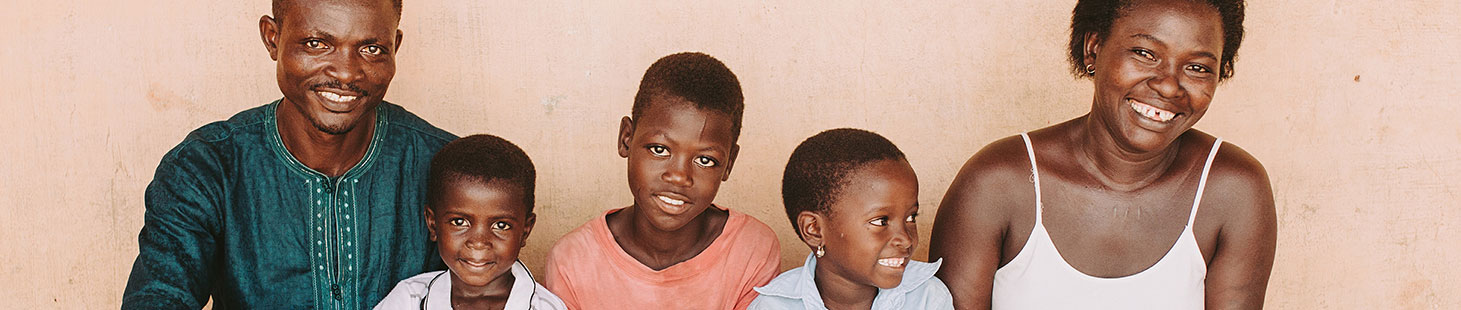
(1349, 104)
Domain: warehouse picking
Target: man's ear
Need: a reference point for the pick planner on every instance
(1092, 44)
(731, 161)
(810, 224)
(269, 32)
(430, 225)
(626, 132)
(397, 48)
(528, 228)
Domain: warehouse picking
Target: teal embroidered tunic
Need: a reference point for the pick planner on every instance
(232, 215)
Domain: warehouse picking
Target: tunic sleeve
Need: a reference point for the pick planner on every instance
(177, 246)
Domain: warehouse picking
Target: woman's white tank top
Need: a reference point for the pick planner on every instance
(1039, 278)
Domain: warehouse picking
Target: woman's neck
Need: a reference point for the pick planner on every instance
(1116, 167)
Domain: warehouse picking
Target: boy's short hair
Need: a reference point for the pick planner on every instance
(485, 159)
(695, 77)
(819, 168)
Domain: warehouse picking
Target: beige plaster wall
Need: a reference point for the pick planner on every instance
(1350, 105)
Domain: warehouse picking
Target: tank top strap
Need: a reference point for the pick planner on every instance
(1035, 178)
(1202, 185)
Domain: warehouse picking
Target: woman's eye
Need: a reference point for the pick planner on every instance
(501, 226)
(1145, 54)
(458, 222)
(882, 221)
(705, 161)
(315, 44)
(1199, 68)
(373, 50)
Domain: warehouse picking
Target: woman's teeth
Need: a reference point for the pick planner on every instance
(1151, 112)
(670, 201)
(892, 262)
(336, 97)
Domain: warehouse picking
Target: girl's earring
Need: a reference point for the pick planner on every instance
(1090, 69)
(821, 250)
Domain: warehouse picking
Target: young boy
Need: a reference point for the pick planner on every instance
(479, 212)
(672, 248)
(853, 198)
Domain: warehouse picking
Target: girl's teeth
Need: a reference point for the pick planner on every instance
(671, 201)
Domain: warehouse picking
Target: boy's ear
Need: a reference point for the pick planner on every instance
(269, 32)
(430, 225)
(397, 48)
(1093, 43)
(731, 162)
(810, 224)
(528, 228)
(626, 132)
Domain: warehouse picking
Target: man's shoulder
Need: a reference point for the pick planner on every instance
(410, 124)
(215, 139)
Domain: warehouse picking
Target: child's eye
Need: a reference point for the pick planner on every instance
(1199, 68)
(658, 150)
(881, 221)
(705, 161)
(912, 218)
(458, 222)
(501, 226)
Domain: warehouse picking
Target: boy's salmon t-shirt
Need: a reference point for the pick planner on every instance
(588, 270)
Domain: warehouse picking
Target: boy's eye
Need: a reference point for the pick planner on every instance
(1199, 68)
(705, 161)
(881, 221)
(501, 226)
(658, 150)
(458, 222)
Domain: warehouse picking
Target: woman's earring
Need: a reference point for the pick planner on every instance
(1090, 69)
(821, 250)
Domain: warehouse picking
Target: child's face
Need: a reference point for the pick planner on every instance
(678, 155)
(870, 233)
(479, 229)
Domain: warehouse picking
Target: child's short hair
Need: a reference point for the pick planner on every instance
(697, 78)
(486, 159)
(819, 167)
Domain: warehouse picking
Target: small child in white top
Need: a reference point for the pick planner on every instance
(479, 200)
(853, 198)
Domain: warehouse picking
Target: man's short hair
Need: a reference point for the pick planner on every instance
(485, 159)
(695, 77)
(278, 7)
(820, 166)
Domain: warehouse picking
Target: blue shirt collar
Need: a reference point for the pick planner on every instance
(800, 283)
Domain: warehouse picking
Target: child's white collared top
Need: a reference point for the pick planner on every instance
(432, 291)
(797, 289)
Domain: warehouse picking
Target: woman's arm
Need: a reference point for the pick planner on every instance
(1237, 275)
(969, 230)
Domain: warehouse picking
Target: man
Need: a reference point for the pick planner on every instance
(312, 201)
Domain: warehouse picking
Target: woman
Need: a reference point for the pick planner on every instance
(1107, 210)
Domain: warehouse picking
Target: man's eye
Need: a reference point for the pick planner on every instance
(501, 226)
(659, 150)
(882, 221)
(315, 44)
(705, 161)
(458, 222)
(373, 50)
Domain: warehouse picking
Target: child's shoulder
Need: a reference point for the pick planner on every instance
(409, 292)
(746, 234)
(583, 239)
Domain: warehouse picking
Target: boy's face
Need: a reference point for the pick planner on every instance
(871, 233)
(479, 229)
(678, 155)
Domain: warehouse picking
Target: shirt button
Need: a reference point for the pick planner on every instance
(335, 290)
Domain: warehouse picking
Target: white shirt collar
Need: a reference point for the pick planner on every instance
(438, 296)
(800, 283)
